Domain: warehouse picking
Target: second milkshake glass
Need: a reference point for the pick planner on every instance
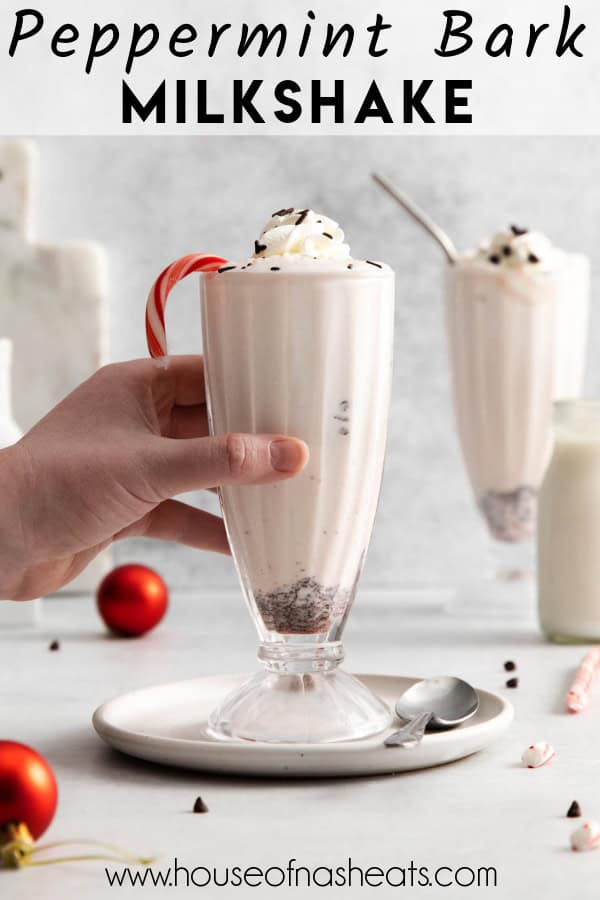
(517, 337)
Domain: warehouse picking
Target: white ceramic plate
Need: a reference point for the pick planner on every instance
(167, 724)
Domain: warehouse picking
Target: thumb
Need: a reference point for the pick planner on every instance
(179, 465)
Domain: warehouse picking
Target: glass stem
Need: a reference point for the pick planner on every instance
(511, 561)
(288, 657)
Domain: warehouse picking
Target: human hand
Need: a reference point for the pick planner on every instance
(105, 463)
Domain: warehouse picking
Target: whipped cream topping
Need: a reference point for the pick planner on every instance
(586, 837)
(517, 247)
(301, 232)
(537, 754)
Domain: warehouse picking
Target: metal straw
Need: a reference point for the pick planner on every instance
(419, 216)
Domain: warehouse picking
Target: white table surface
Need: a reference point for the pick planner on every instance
(483, 811)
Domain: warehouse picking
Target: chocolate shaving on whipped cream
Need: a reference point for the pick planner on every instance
(301, 232)
(519, 248)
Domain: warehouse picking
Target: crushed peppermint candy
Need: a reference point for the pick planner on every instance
(537, 755)
(586, 837)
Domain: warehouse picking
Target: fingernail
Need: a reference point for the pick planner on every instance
(286, 455)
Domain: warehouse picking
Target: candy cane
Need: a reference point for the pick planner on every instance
(579, 693)
(157, 298)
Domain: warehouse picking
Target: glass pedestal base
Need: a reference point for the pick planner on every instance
(300, 700)
(506, 588)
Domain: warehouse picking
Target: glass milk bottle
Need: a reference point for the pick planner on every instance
(21, 613)
(569, 527)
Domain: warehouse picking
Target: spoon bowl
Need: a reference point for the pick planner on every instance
(438, 703)
(449, 700)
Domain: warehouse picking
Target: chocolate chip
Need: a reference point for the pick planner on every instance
(327, 235)
(349, 266)
(302, 217)
(226, 268)
(200, 806)
(510, 666)
(283, 212)
(518, 231)
(258, 247)
(371, 263)
(494, 259)
(574, 811)
(275, 269)
(533, 258)
(512, 683)
(507, 250)
(343, 430)
(54, 646)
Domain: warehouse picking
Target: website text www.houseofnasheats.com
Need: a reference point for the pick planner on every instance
(293, 875)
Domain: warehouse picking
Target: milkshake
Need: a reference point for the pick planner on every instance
(298, 340)
(517, 326)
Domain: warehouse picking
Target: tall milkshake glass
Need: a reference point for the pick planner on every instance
(298, 340)
(517, 329)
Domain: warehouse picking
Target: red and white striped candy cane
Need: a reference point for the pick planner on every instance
(578, 696)
(157, 298)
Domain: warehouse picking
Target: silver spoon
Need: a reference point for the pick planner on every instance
(442, 702)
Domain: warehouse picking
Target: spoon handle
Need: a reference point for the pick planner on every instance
(411, 733)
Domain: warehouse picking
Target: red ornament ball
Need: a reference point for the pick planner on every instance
(28, 789)
(132, 599)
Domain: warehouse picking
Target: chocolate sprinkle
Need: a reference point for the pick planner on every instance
(327, 235)
(258, 247)
(512, 683)
(518, 231)
(507, 250)
(349, 266)
(371, 263)
(275, 269)
(54, 646)
(494, 259)
(283, 212)
(509, 666)
(226, 268)
(574, 811)
(533, 258)
(302, 217)
(200, 806)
